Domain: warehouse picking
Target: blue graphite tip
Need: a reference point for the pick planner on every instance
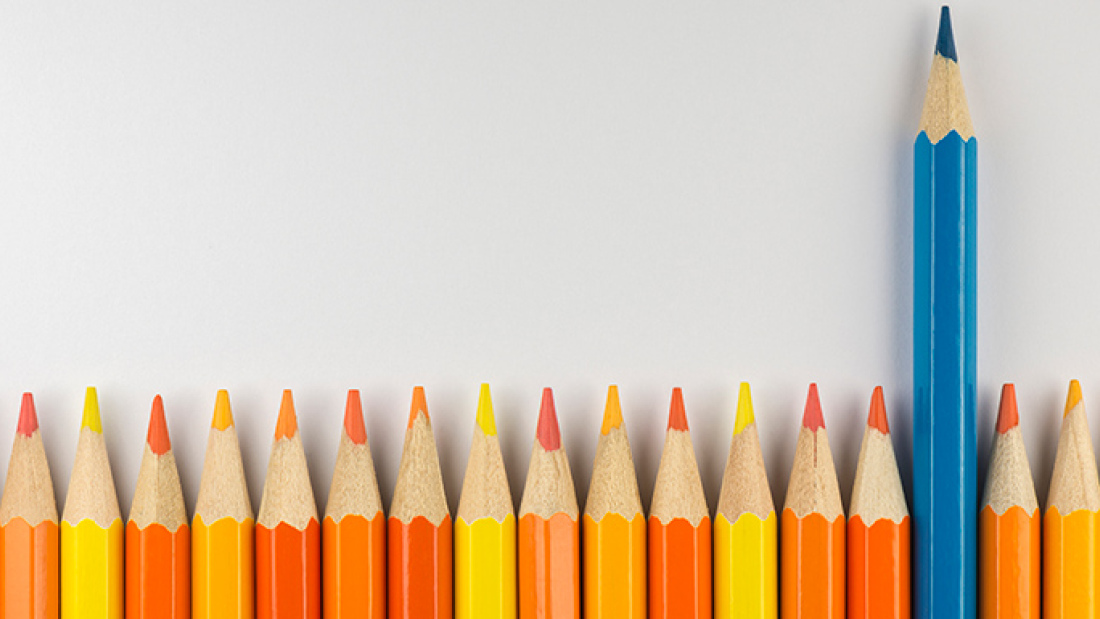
(945, 43)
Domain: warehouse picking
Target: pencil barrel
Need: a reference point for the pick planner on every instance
(485, 568)
(680, 582)
(158, 572)
(746, 567)
(29, 570)
(222, 569)
(288, 571)
(1009, 551)
(812, 566)
(878, 569)
(92, 577)
(1071, 570)
(549, 567)
(353, 551)
(420, 569)
(614, 567)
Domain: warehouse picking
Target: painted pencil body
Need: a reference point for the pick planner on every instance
(549, 533)
(419, 529)
(1071, 524)
(288, 535)
(812, 530)
(485, 531)
(353, 534)
(158, 540)
(28, 527)
(679, 528)
(91, 529)
(878, 527)
(614, 540)
(945, 480)
(1009, 525)
(746, 572)
(222, 535)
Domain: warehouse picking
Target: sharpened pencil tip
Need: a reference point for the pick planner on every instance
(548, 433)
(28, 417)
(1007, 417)
(677, 416)
(287, 425)
(485, 418)
(91, 418)
(612, 412)
(223, 414)
(419, 405)
(876, 418)
(157, 438)
(353, 418)
(812, 419)
(745, 414)
(945, 42)
(1073, 398)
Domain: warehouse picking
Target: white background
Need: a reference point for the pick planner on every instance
(381, 194)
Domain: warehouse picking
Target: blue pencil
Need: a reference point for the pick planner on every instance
(945, 481)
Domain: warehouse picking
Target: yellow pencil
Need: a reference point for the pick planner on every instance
(485, 533)
(745, 555)
(92, 533)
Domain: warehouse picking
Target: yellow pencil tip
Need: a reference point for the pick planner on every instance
(613, 411)
(745, 416)
(1074, 396)
(223, 415)
(91, 412)
(485, 418)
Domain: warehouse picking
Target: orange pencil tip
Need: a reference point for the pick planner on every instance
(353, 418)
(28, 418)
(876, 418)
(677, 417)
(287, 425)
(612, 412)
(419, 405)
(812, 419)
(158, 429)
(548, 433)
(1008, 416)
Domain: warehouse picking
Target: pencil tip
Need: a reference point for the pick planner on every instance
(91, 412)
(1008, 416)
(157, 437)
(745, 415)
(548, 433)
(1074, 396)
(223, 414)
(353, 418)
(677, 417)
(812, 419)
(485, 418)
(945, 42)
(28, 417)
(287, 425)
(876, 418)
(613, 411)
(419, 405)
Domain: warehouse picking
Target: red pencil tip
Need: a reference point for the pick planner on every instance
(158, 429)
(548, 433)
(287, 425)
(353, 418)
(877, 417)
(812, 419)
(677, 418)
(1008, 417)
(28, 418)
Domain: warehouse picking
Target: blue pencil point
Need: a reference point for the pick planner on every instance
(945, 42)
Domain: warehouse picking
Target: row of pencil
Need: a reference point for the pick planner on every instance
(810, 562)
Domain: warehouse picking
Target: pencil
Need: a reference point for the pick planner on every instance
(288, 536)
(746, 566)
(549, 533)
(353, 534)
(485, 531)
(878, 526)
(1008, 525)
(679, 528)
(419, 529)
(91, 529)
(614, 530)
(158, 540)
(1071, 574)
(222, 535)
(28, 526)
(812, 527)
(945, 479)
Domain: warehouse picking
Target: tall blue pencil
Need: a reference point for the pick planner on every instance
(945, 481)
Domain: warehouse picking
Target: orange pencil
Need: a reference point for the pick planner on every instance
(288, 536)
(679, 528)
(549, 534)
(1009, 525)
(878, 527)
(811, 532)
(353, 534)
(158, 540)
(614, 539)
(28, 527)
(420, 567)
